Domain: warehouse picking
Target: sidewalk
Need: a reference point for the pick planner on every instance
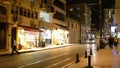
(104, 58)
(34, 49)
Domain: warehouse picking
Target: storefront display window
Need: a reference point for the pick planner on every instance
(28, 39)
(61, 36)
(47, 36)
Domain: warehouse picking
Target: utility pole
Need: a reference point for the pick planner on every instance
(100, 23)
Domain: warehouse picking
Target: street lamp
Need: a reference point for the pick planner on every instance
(80, 26)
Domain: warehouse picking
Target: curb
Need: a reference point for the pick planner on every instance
(9, 52)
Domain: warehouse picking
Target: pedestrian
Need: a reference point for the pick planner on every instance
(102, 44)
(111, 42)
(115, 41)
(14, 48)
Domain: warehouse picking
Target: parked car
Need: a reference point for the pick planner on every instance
(91, 41)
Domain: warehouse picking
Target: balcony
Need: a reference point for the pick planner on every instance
(59, 16)
(59, 4)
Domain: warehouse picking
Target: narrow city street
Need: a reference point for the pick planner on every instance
(49, 58)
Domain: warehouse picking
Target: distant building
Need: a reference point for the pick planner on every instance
(81, 13)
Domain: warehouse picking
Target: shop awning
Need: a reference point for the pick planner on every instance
(63, 27)
(31, 29)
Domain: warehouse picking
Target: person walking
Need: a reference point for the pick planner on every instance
(111, 42)
(14, 48)
(115, 41)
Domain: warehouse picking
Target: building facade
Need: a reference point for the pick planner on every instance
(117, 13)
(82, 14)
(33, 23)
(74, 30)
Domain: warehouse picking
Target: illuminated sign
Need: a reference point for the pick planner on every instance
(113, 29)
(118, 35)
(47, 17)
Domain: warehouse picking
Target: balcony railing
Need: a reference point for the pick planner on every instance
(59, 16)
(59, 4)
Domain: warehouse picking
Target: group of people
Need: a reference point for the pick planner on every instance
(113, 41)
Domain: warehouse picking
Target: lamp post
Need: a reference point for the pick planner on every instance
(80, 27)
(100, 23)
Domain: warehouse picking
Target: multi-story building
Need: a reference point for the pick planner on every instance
(61, 34)
(117, 13)
(74, 30)
(19, 19)
(81, 13)
(32, 22)
(110, 25)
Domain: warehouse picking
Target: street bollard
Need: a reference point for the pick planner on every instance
(85, 53)
(77, 58)
(90, 51)
(89, 62)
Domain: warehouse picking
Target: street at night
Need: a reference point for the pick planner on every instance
(49, 58)
(59, 34)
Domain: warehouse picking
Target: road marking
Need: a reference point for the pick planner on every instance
(68, 64)
(57, 63)
(42, 60)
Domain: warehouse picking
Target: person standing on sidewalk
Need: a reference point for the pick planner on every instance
(14, 48)
(111, 42)
(102, 44)
(115, 41)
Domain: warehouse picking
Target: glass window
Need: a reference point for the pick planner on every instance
(16, 10)
(78, 8)
(72, 25)
(28, 15)
(36, 15)
(21, 11)
(25, 12)
(78, 15)
(76, 26)
(68, 24)
(12, 9)
(32, 14)
(45, 1)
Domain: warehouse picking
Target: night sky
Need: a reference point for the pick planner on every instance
(95, 8)
(95, 19)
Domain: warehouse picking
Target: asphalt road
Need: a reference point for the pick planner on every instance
(50, 58)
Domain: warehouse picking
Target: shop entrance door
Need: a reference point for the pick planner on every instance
(13, 35)
(2, 36)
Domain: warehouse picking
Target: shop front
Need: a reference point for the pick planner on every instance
(113, 30)
(28, 38)
(46, 36)
(60, 36)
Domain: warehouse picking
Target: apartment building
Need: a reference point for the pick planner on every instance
(32, 23)
(82, 14)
